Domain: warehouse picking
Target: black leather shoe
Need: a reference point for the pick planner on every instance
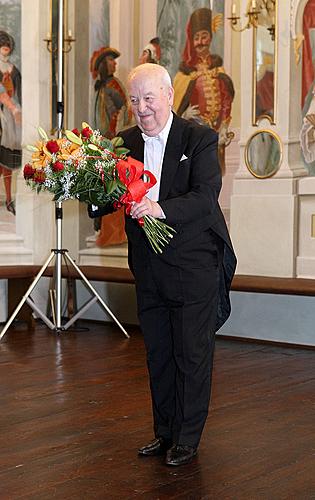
(11, 207)
(158, 446)
(180, 455)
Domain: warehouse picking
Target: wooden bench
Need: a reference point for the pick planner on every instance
(240, 283)
(271, 284)
(20, 277)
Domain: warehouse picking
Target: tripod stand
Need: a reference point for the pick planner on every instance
(58, 253)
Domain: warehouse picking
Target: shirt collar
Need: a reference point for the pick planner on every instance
(163, 135)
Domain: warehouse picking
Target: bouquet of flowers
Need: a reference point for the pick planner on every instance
(88, 167)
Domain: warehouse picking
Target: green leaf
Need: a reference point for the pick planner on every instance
(72, 137)
(32, 148)
(111, 186)
(117, 141)
(93, 147)
(105, 143)
(42, 133)
(121, 151)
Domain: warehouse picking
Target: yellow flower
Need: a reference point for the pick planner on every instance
(68, 150)
(41, 157)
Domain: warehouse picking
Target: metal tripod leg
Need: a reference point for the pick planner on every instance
(25, 298)
(98, 297)
(58, 252)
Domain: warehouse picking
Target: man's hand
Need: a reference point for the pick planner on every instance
(17, 114)
(191, 113)
(146, 207)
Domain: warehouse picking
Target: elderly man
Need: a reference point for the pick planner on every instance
(182, 294)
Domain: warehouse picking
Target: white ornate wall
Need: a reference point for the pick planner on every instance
(272, 220)
(264, 212)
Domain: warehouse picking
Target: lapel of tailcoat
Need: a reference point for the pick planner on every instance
(172, 155)
(136, 144)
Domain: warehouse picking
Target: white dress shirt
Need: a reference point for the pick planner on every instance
(154, 148)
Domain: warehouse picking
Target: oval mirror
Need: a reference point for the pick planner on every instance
(263, 154)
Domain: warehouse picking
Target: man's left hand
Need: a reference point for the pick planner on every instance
(146, 207)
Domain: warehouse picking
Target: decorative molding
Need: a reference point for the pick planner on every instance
(296, 15)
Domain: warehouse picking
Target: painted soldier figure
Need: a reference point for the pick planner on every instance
(203, 91)
(111, 114)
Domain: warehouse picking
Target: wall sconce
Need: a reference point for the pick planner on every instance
(272, 30)
(53, 45)
(252, 15)
(263, 7)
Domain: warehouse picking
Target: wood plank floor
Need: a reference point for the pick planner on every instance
(75, 407)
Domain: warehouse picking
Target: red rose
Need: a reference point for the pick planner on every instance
(117, 205)
(58, 166)
(75, 131)
(28, 171)
(52, 146)
(86, 132)
(39, 176)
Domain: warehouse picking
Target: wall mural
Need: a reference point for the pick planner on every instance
(10, 110)
(307, 136)
(172, 18)
(109, 111)
(192, 48)
(99, 37)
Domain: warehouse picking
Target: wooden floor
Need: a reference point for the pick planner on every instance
(75, 407)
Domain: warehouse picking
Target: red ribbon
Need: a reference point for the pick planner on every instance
(130, 173)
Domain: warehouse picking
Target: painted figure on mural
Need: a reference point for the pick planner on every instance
(111, 110)
(151, 52)
(307, 135)
(111, 114)
(10, 116)
(203, 91)
(308, 62)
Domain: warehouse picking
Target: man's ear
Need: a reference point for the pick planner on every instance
(171, 96)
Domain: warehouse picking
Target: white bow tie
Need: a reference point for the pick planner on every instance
(151, 138)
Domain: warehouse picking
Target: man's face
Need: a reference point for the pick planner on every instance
(145, 57)
(111, 65)
(5, 50)
(151, 102)
(202, 40)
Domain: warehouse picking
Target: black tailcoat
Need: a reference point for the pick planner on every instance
(183, 294)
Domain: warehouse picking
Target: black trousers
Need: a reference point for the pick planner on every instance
(177, 297)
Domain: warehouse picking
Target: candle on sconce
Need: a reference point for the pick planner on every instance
(48, 37)
(69, 33)
(254, 4)
(233, 9)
